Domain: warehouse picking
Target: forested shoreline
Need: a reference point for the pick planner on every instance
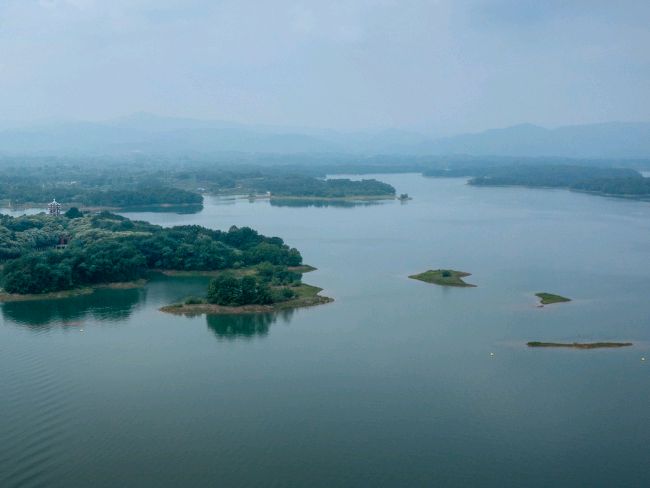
(106, 248)
(607, 181)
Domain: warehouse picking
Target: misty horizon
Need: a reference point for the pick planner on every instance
(437, 68)
(211, 122)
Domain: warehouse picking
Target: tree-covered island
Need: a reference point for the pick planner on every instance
(443, 277)
(301, 186)
(263, 288)
(43, 254)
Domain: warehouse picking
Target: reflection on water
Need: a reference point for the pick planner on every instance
(245, 326)
(102, 305)
(176, 209)
(281, 202)
(118, 305)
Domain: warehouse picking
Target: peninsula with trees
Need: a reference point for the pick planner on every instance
(606, 181)
(59, 255)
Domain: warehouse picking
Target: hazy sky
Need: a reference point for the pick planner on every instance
(443, 65)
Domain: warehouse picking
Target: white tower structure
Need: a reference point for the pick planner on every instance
(54, 208)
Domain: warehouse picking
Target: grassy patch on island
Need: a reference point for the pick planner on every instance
(444, 277)
(579, 345)
(550, 298)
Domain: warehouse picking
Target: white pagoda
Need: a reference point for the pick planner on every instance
(54, 208)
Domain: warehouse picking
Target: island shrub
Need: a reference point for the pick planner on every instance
(73, 213)
(278, 275)
(287, 294)
(193, 301)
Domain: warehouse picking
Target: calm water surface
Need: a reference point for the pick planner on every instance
(391, 385)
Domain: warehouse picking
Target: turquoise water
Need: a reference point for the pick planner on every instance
(393, 384)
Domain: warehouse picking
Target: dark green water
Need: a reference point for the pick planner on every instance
(391, 385)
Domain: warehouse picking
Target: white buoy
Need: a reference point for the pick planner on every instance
(81, 330)
(643, 359)
(491, 354)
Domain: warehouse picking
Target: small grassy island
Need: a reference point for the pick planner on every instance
(550, 298)
(579, 345)
(57, 256)
(443, 277)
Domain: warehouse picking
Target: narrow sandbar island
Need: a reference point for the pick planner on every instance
(550, 298)
(580, 345)
(443, 277)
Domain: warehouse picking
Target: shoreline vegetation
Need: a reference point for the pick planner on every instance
(444, 277)
(60, 295)
(140, 283)
(580, 345)
(61, 256)
(550, 298)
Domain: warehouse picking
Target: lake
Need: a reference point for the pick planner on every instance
(393, 384)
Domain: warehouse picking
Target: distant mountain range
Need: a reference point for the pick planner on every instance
(153, 134)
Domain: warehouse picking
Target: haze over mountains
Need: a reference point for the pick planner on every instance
(171, 135)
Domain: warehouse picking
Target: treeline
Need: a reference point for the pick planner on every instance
(146, 180)
(20, 194)
(306, 186)
(107, 248)
(637, 187)
(537, 175)
(610, 181)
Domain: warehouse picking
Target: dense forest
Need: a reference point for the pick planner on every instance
(105, 247)
(39, 193)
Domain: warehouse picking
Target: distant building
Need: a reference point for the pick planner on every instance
(54, 208)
